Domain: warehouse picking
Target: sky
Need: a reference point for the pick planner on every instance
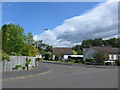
(68, 23)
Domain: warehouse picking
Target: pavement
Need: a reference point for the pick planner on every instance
(24, 74)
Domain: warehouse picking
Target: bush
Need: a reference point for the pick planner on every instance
(118, 62)
(41, 59)
(17, 66)
(27, 62)
(29, 50)
(90, 60)
(15, 54)
(5, 56)
(74, 52)
(57, 57)
(108, 63)
(47, 56)
(23, 67)
(100, 57)
(76, 61)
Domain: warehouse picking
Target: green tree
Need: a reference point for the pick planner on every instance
(13, 38)
(74, 52)
(100, 57)
(117, 44)
(98, 42)
(57, 57)
(5, 35)
(78, 49)
(87, 43)
(29, 38)
(112, 42)
(48, 48)
(29, 50)
(47, 56)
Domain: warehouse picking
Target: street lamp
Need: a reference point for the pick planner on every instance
(37, 36)
(36, 63)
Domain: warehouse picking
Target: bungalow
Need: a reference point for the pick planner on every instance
(113, 53)
(66, 53)
(38, 56)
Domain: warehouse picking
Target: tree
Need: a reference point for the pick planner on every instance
(78, 49)
(29, 50)
(57, 57)
(29, 38)
(4, 31)
(74, 52)
(87, 43)
(117, 44)
(100, 57)
(13, 38)
(118, 62)
(112, 42)
(47, 56)
(48, 48)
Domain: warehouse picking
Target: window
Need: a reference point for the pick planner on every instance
(112, 56)
(118, 56)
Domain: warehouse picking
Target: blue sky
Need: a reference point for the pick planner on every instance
(33, 16)
(68, 23)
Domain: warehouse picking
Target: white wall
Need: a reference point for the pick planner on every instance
(113, 56)
(66, 56)
(53, 57)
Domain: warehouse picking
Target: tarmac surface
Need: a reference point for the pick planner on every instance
(67, 76)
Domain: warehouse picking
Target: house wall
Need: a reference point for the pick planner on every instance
(114, 56)
(53, 57)
(89, 53)
(66, 56)
(38, 56)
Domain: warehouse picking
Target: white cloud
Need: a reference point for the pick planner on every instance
(100, 22)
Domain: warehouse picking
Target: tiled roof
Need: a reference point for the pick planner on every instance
(108, 50)
(62, 50)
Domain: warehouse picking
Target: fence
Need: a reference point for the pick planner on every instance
(17, 60)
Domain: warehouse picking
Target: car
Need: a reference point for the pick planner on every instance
(111, 61)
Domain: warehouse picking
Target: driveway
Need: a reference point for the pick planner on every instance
(65, 76)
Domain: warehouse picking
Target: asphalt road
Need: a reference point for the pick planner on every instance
(64, 76)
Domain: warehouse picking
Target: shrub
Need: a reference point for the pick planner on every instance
(90, 60)
(5, 56)
(41, 59)
(29, 50)
(27, 62)
(118, 62)
(17, 66)
(47, 56)
(57, 57)
(100, 57)
(74, 52)
(108, 63)
(15, 54)
(23, 67)
(76, 61)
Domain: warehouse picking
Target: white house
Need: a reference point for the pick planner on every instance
(66, 53)
(113, 53)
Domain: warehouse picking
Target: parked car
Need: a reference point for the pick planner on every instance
(111, 61)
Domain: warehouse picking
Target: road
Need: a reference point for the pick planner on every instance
(65, 76)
